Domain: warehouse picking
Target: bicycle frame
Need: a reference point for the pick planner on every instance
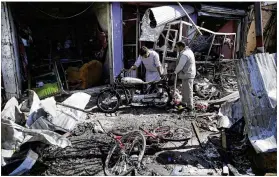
(148, 134)
(118, 140)
(122, 146)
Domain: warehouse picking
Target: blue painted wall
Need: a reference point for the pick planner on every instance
(117, 38)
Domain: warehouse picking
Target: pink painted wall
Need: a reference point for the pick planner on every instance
(229, 27)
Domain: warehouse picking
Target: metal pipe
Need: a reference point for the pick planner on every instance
(138, 43)
(189, 18)
(58, 79)
(209, 49)
(180, 30)
(234, 46)
(130, 45)
(259, 27)
(195, 35)
(68, 106)
(201, 28)
(133, 19)
(222, 46)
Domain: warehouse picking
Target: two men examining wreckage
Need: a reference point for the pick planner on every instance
(185, 70)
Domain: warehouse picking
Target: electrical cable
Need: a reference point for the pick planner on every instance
(61, 18)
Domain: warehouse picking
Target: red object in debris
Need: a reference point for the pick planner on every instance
(103, 39)
(203, 106)
(177, 102)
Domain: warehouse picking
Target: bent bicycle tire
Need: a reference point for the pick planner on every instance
(133, 137)
(119, 131)
(178, 134)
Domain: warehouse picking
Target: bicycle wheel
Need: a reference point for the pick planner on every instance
(121, 160)
(178, 134)
(161, 131)
(108, 101)
(121, 131)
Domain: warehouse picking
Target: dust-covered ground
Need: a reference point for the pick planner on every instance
(89, 149)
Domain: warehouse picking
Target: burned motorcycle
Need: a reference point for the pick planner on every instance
(128, 90)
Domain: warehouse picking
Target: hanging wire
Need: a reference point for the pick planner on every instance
(62, 18)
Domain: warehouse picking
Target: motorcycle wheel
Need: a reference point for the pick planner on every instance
(108, 101)
(165, 97)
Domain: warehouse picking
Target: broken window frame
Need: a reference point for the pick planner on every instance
(181, 22)
(173, 41)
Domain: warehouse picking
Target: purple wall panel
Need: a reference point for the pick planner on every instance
(117, 38)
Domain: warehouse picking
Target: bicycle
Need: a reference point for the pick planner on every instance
(127, 153)
(126, 141)
(160, 134)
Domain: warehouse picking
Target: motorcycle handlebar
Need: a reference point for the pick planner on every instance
(166, 75)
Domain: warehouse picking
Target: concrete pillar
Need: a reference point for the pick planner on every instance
(9, 55)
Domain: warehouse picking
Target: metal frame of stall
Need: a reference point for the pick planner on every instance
(180, 37)
(137, 44)
(168, 26)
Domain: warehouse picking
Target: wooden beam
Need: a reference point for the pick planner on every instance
(197, 132)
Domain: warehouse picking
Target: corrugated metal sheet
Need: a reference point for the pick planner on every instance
(155, 19)
(258, 94)
(165, 14)
(226, 17)
(222, 10)
(230, 113)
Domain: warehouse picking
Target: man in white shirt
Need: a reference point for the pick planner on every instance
(152, 64)
(186, 70)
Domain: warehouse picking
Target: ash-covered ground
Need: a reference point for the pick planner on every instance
(89, 149)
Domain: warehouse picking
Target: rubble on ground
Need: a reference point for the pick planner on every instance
(88, 145)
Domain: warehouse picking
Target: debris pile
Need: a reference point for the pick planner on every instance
(84, 157)
(36, 120)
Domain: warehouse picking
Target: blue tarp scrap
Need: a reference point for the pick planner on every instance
(26, 165)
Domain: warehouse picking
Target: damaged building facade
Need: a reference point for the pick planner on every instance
(50, 52)
(64, 48)
(227, 19)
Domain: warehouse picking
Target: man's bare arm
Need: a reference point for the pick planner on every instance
(159, 70)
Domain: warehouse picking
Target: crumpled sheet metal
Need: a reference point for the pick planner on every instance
(162, 15)
(148, 33)
(67, 117)
(59, 116)
(230, 112)
(231, 97)
(12, 111)
(222, 10)
(16, 135)
(257, 85)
